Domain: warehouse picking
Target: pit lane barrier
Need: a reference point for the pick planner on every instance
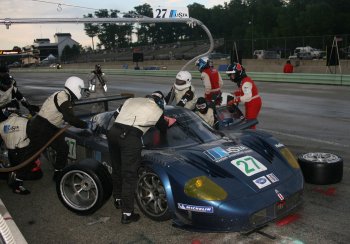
(305, 78)
(9, 232)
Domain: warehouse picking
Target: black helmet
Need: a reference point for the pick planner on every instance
(5, 81)
(98, 68)
(158, 97)
(201, 105)
(238, 70)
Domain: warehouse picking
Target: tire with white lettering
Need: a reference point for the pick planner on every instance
(151, 196)
(321, 168)
(84, 187)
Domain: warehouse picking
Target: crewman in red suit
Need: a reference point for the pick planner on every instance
(288, 67)
(246, 93)
(212, 80)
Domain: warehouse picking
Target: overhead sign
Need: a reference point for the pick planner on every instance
(170, 12)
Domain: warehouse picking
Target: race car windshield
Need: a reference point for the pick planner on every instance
(189, 129)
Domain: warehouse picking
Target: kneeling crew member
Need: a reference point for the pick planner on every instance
(205, 112)
(13, 132)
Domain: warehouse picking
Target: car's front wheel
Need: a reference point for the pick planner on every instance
(151, 196)
(84, 187)
(321, 168)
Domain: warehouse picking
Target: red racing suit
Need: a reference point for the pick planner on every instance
(288, 68)
(249, 95)
(212, 82)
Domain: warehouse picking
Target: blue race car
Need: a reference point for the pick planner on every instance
(201, 178)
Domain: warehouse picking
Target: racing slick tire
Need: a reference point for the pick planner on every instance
(84, 187)
(151, 196)
(321, 168)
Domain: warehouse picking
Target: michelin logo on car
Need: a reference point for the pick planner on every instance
(193, 208)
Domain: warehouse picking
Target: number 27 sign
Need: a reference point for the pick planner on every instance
(248, 165)
(165, 13)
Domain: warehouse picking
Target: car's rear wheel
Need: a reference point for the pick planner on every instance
(321, 168)
(151, 196)
(84, 187)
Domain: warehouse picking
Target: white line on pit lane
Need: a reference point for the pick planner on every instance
(307, 138)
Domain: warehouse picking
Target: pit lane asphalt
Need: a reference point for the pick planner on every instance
(304, 117)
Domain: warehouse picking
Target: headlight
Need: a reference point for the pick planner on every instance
(290, 158)
(203, 188)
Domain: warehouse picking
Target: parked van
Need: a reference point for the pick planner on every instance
(300, 51)
(264, 54)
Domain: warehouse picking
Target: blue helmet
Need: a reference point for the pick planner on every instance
(202, 63)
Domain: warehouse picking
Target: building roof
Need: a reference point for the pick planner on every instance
(62, 34)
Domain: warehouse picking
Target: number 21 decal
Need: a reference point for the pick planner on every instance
(248, 165)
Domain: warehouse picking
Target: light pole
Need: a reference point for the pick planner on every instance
(252, 23)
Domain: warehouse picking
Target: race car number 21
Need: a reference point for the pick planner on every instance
(248, 165)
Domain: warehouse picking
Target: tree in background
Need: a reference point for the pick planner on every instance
(70, 53)
(233, 20)
(91, 30)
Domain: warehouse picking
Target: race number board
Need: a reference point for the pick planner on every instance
(169, 12)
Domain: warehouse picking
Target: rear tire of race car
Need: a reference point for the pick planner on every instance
(151, 196)
(321, 168)
(84, 187)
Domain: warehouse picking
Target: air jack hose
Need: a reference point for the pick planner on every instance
(25, 162)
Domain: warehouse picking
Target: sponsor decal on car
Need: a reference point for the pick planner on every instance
(219, 154)
(194, 208)
(279, 145)
(262, 182)
(216, 153)
(72, 146)
(280, 196)
(248, 165)
(272, 177)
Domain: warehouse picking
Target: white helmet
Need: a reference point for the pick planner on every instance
(75, 85)
(183, 80)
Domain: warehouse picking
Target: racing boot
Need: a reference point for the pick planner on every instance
(118, 203)
(57, 175)
(127, 218)
(18, 188)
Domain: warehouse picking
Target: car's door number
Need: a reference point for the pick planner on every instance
(248, 165)
(72, 145)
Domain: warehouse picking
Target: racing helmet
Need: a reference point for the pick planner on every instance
(158, 97)
(76, 86)
(5, 81)
(98, 68)
(238, 70)
(202, 63)
(201, 105)
(183, 80)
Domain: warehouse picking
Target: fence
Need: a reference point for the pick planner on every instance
(286, 45)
